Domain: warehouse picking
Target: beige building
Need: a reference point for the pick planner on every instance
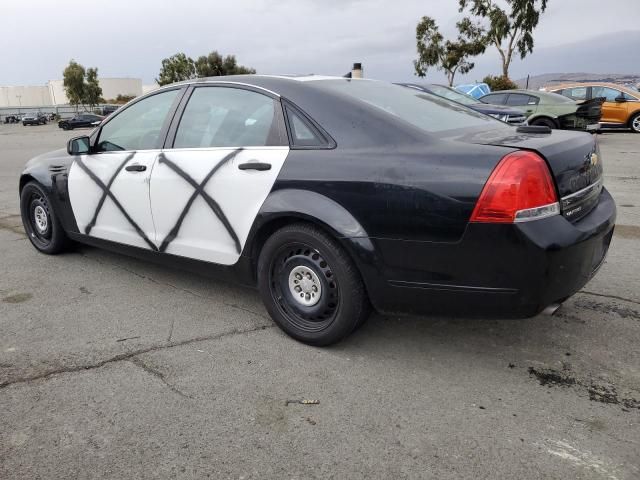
(53, 94)
(25, 96)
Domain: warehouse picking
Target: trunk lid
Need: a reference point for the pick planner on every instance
(573, 158)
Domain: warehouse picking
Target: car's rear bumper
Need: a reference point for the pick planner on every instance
(514, 270)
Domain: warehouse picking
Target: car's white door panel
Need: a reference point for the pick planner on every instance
(211, 225)
(110, 202)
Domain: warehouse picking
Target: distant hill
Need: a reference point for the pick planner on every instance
(613, 52)
(538, 81)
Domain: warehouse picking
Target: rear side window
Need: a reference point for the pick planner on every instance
(520, 99)
(303, 133)
(228, 117)
(577, 93)
(495, 98)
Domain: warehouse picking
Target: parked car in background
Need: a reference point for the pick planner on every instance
(550, 109)
(109, 109)
(80, 121)
(509, 115)
(621, 107)
(476, 90)
(12, 119)
(330, 195)
(34, 119)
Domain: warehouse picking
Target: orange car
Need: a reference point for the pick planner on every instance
(621, 107)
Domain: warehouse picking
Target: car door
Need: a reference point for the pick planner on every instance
(109, 188)
(221, 161)
(612, 111)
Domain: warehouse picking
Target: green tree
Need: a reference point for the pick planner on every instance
(73, 82)
(214, 65)
(176, 68)
(510, 29)
(450, 56)
(499, 83)
(92, 89)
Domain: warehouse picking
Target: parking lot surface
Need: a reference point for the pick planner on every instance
(115, 368)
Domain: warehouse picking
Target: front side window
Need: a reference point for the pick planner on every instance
(629, 98)
(609, 94)
(228, 117)
(138, 126)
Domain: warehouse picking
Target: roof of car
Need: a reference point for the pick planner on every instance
(559, 86)
(276, 84)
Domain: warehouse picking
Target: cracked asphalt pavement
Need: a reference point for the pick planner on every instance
(111, 367)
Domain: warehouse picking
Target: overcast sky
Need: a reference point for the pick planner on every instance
(130, 37)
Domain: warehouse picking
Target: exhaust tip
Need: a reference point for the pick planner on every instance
(551, 309)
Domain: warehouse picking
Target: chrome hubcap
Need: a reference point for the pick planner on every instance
(40, 218)
(636, 124)
(305, 286)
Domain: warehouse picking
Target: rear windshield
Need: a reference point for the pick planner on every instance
(423, 110)
(452, 94)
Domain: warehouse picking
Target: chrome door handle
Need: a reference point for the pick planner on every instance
(255, 166)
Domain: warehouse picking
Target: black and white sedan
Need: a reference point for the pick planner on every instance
(332, 195)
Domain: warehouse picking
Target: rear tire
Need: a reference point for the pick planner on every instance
(544, 122)
(310, 286)
(40, 221)
(634, 123)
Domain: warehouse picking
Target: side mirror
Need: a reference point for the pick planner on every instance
(79, 145)
(621, 99)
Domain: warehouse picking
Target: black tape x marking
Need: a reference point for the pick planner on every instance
(199, 191)
(92, 223)
(107, 193)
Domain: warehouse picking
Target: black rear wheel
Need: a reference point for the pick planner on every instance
(40, 222)
(545, 122)
(310, 286)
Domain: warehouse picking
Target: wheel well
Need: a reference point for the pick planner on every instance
(633, 114)
(270, 227)
(24, 179)
(544, 117)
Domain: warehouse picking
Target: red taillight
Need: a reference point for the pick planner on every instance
(519, 189)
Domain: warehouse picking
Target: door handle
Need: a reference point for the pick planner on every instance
(255, 166)
(135, 168)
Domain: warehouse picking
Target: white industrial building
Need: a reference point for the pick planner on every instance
(52, 93)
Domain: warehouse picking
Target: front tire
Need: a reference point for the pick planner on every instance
(310, 286)
(40, 221)
(634, 123)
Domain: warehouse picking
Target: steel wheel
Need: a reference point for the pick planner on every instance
(310, 286)
(303, 288)
(39, 220)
